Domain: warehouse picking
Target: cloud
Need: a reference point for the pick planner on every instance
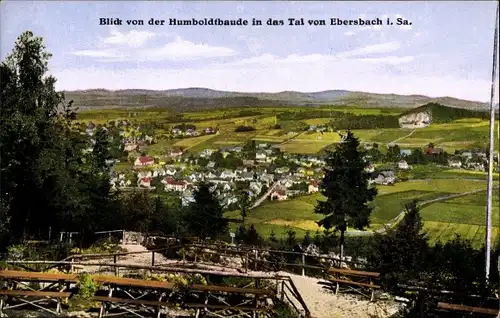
(372, 49)
(252, 43)
(176, 50)
(181, 49)
(132, 38)
(393, 60)
(108, 53)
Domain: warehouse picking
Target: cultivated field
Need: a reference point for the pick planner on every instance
(458, 215)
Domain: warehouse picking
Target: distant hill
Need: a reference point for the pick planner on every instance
(194, 98)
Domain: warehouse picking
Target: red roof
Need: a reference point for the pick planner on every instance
(314, 183)
(146, 159)
(280, 192)
(146, 179)
(176, 182)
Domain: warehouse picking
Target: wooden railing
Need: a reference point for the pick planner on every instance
(290, 291)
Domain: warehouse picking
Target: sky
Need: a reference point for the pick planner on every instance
(446, 51)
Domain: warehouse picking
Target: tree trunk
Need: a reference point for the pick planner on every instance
(342, 239)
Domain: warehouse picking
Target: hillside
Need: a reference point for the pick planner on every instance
(196, 98)
(437, 113)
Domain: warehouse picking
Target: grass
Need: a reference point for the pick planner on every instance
(299, 213)
(188, 143)
(435, 172)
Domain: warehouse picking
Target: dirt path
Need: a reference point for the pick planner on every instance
(324, 304)
(320, 302)
(400, 216)
(394, 141)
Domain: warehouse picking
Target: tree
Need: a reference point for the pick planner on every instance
(39, 159)
(243, 203)
(307, 240)
(346, 188)
(400, 253)
(393, 153)
(417, 156)
(204, 217)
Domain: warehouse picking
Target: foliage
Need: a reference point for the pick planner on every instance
(400, 254)
(244, 128)
(204, 217)
(352, 121)
(345, 186)
(284, 310)
(86, 286)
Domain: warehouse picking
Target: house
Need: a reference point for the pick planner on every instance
(405, 152)
(287, 183)
(187, 199)
(211, 165)
(260, 155)
(370, 168)
(207, 152)
(211, 175)
(145, 182)
(228, 201)
(313, 187)
(256, 187)
(281, 170)
(454, 163)
(262, 146)
(174, 153)
(227, 174)
(191, 132)
(245, 176)
(279, 195)
(171, 171)
(144, 161)
(403, 165)
(175, 185)
(176, 131)
(433, 151)
(209, 130)
(384, 177)
(130, 147)
(248, 163)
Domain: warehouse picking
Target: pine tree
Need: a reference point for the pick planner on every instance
(243, 203)
(204, 217)
(346, 189)
(400, 253)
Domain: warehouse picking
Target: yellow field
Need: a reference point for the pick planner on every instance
(191, 142)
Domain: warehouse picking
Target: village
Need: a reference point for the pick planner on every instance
(259, 168)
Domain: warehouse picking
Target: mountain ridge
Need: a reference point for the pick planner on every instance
(196, 97)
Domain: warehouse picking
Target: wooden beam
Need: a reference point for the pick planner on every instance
(479, 310)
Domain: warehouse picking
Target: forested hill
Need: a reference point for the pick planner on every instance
(442, 114)
(196, 98)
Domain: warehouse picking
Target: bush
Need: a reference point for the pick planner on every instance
(244, 128)
(86, 286)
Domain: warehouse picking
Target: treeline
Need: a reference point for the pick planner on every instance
(352, 121)
(50, 180)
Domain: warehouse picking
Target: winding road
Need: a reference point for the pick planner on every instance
(262, 198)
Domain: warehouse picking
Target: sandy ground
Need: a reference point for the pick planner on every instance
(321, 303)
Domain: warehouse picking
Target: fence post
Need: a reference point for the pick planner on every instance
(303, 264)
(153, 258)
(114, 262)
